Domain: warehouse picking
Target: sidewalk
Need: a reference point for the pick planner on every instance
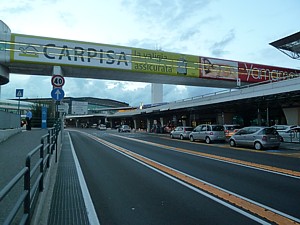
(13, 152)
(290, 146)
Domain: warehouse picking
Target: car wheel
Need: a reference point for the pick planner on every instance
(257, 146)
(232, 143)
(171, 136)
(181, 137)
(207, 140)
(192, 138)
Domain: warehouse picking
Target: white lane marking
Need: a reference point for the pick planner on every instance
(91, 212)
(238, 210)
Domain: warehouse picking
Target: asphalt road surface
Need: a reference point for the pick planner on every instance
(138, 178)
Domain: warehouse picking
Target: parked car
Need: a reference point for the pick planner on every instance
(208, 133)
(291, 134)
(94, 125)
(181, 132)
(101, 127)
(124, 128)
(283, 127)
(231, 129)
(257, 137)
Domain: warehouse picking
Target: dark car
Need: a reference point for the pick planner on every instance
(257, 137)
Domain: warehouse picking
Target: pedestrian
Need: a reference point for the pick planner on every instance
(28, 120)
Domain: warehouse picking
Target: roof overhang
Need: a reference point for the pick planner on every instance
(289, 45)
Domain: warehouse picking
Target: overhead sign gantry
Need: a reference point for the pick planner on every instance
(34, 55)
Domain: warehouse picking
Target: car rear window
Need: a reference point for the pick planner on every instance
(269, 131)
(232, 127)
(217, 128)
(189, 129)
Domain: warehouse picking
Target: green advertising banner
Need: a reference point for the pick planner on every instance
(159, 62)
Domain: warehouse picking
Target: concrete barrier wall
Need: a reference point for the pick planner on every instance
(10, 124)
(9, 120)
(5, 134)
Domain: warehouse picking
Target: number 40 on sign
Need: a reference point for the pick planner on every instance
(57, 81)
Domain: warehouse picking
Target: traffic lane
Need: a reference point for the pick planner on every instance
(126, 192)
(224, 150)
(277, 191)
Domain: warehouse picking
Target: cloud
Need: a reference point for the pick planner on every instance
(217, 48)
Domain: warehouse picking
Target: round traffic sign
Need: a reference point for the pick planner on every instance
(57, 94)
(57, 80)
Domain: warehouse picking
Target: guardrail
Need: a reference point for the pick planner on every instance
(36, 166)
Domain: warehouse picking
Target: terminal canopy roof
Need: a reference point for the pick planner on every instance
(289, 45)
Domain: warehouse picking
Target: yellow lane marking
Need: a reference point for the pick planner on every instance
(229, 197)
(236, 161)
(291, 155)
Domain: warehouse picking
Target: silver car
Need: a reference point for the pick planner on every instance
(208, 133)
(181, 132)
(257, 137)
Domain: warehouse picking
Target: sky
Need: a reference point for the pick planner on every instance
(239, 30)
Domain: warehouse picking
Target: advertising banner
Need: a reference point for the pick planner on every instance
(253, 73)
(160, 62)
(65, 52)
(218, 69)
(44, 117)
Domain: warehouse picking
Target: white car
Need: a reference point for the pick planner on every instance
(102, 127)
(291, 134)
(124, 128)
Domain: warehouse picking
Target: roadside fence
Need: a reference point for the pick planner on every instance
(37, 163)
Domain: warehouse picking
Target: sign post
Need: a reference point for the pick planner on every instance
(57, 92)
(19, 94)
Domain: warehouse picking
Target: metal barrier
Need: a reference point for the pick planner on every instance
(33, 174)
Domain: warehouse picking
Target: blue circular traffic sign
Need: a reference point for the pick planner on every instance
(57, 94)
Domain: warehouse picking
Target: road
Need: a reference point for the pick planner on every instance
(137, 178)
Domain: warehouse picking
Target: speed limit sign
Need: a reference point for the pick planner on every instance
(57, 81)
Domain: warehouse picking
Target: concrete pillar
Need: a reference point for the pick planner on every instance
(4, 75)
(156, 93)
(292, 115)
(259, 122)
(5, 35)
(135, 124)
(161, 119)
(148, 125)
